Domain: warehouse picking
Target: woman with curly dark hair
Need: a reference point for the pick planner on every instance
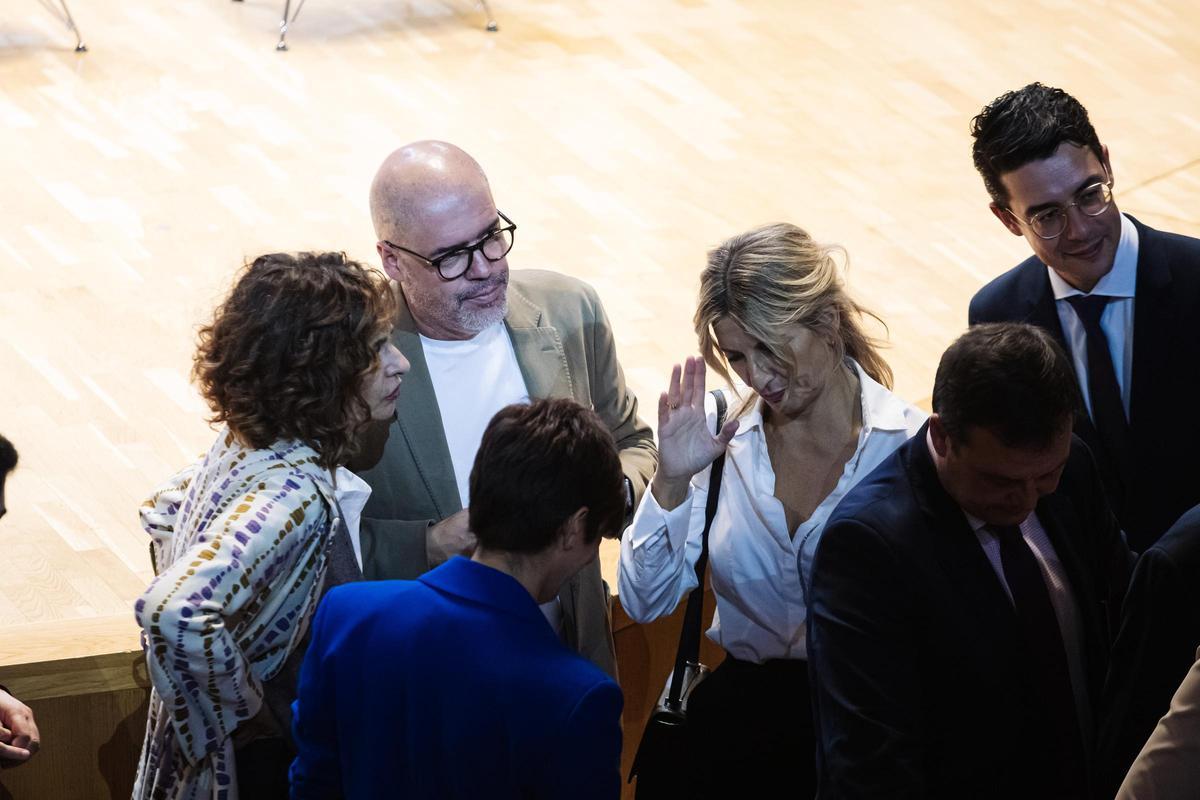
(296, 362)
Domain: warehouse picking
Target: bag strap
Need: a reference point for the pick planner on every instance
(689, 635)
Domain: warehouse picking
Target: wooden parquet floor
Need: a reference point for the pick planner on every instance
(625, 137)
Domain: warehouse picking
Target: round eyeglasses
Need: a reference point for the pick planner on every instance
(1049, 223)
(453, 265)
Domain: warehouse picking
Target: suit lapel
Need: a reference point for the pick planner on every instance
(1153, 310)
(1037, 301)
(1038, 308)
(1058, 518)
(419, 420)
(538, 348)
(955, 545)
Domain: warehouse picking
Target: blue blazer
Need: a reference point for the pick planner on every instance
(1160, 480)
(450, 686)
(920, 688)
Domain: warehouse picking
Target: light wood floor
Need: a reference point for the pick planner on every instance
(624, 136)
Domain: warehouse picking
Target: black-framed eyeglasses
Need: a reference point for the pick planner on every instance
(493, 246)
(1049, 223)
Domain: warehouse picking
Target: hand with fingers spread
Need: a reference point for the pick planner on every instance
(685, 444)
(19, 738)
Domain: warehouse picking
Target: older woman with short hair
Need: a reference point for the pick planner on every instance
(819, 417)
(296, 362)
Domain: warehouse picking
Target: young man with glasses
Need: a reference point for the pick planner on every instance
(1122, 298)
(479, 338)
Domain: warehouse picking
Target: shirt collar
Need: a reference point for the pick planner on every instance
(1120, 281)
(350, 488)
(881, 410)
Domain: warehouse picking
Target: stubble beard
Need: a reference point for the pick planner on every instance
(475, 319)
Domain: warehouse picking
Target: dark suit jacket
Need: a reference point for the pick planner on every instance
(920, 689)
(1160, 481)
(450, 687)
(1155, 648)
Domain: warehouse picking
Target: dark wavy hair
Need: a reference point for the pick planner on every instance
(1027, 125)
(287, 351)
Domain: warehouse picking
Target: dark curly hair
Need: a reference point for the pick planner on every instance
(1027, 125)
(286, 353)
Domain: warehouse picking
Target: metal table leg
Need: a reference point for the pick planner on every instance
(284, 22)
(492, 27)
(68, 20)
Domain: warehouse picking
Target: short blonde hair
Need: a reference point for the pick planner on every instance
(776, 275)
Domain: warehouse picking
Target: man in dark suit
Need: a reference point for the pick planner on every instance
(1122, 298)
(963, 593)
(455, 686)
(1156, 646)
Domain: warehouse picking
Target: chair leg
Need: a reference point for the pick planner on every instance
(285, 22)
(80, 47)
(492, 27)
(283, 26)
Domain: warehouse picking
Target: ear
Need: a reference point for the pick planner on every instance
(1107, 163)
(389, 260)
(573, 532)
(937, 435)
(1006, 218)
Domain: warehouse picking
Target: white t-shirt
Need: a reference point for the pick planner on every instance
(473, 379)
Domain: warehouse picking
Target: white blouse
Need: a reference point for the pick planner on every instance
(760, 574)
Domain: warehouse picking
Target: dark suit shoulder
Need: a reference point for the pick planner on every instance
(996, 300)
(1181, 543)
(1080, 479)
(1181, 246)
(883, 501)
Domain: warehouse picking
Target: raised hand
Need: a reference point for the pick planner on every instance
(685, 444)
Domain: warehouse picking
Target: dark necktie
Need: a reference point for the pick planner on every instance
(1045, 656)
(1108, 412)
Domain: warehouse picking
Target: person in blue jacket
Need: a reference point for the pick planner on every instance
(455, 685)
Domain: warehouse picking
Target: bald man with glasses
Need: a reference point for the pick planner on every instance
(1122, 298)
(479, 338)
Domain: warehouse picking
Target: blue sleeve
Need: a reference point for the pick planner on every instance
(588, 764)
(316, 772)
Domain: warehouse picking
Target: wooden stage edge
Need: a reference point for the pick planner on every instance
(91, 709)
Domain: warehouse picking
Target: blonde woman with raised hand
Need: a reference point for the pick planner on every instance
(819, 416)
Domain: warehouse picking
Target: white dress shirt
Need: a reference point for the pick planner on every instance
(1116, 321)
(759, 572)
(352, 493)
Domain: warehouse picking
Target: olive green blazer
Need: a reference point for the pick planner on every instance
(565, 348)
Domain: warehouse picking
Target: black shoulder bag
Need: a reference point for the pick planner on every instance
(659, 763)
